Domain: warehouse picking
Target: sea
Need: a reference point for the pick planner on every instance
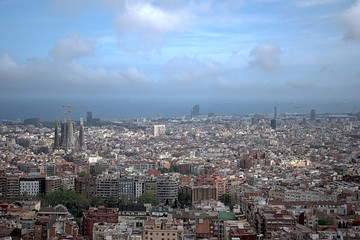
(122, 108)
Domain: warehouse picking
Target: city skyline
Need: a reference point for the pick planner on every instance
(271, 51)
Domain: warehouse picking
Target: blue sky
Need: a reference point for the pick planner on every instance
(254, 50)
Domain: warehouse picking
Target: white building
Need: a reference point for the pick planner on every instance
(159, 130)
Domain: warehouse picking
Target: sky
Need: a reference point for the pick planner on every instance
(274, 51)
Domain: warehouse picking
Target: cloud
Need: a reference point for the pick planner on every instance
(72, 47)
(351, 19)
(6, 63)
(311, 3)
(266, 56)
(192, 71)
(148, 21)
(135, 76)
(301, 84)
(267, 1)
(327, 69)
(43, 77)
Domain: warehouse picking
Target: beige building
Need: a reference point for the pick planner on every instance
(204, 192)
(52, 184)
(163, 230)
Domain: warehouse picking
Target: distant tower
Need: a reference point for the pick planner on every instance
(275, 114)
(63, 135)
(195, 111)
(273, 124)
(313, 115)
(273, 121)
(68, 140)
(89, 118)
(81, 135)
(57, 140)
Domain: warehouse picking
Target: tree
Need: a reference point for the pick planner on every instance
(181, 198)
(175, 205)
(125, 200)
(322, 222)
(148, 198)
(96, 201)
(188, 200)
(173, 168)
(226, 199)
(111, 202)
(93, 172)
(75, 203)
(81, 174)
(184, 199)
(163, 170)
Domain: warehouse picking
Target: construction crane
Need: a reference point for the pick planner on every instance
(69, 106)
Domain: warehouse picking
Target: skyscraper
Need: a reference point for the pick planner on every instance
(89, 118)
(273, 121)
(273, 124)
(313, 115)
(90, 121)
(81, 135)
(195, 111)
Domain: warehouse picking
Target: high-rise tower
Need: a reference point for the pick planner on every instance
(57, 140)
(89, 118)
(195, 111)
(90, 121)
(273, 121)
(81, 135)
(313, 115)
(275, 113)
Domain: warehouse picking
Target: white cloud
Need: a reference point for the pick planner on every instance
(351, 19)
(135, 76)
(6, 63)
(72, 47)
(267, 1)
(301, 84)
(266, 56)
(311, 3)
(47, 77)
(149, 21)
(191, 71)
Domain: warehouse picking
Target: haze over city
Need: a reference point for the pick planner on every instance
(134, 58)
(180, 119)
